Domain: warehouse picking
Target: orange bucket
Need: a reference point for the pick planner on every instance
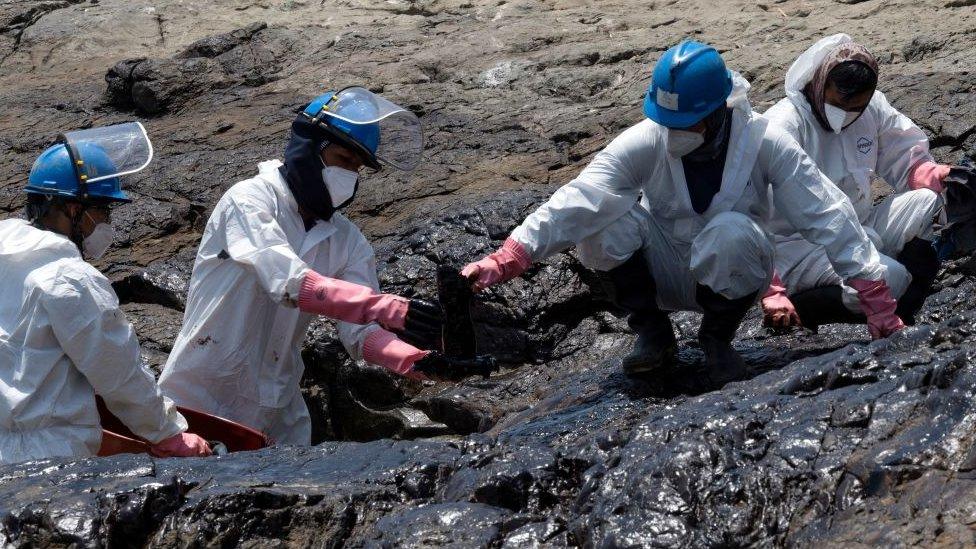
(118, 439)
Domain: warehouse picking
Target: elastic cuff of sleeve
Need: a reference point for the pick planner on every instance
(874, 296)
(384, 349)
(776, 286)
(927, 174)
(374, 344)
(394, 315)
(865, 284)
(518, 252)
(293, 289)
(311, 281)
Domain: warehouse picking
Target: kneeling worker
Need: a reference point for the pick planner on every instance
(63, 337)
(845, 124)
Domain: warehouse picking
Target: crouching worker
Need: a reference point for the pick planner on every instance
(835, 112)
(277, 251)
(63, 338)
(673, 212)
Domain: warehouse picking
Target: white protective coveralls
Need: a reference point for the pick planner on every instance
(633, 196)
(62, 340)
(238, 354)
(883, 143)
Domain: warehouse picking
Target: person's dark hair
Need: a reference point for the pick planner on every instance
(38, 205)
(852, 78)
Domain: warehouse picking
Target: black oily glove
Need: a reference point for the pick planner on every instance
(964, 172)
(960, 193)
(423, 325)
(439, 367)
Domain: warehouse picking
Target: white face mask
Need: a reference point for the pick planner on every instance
(838, 118)
(341, 184)
(682, 142)
(97, 243)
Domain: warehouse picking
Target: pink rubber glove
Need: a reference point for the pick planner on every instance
(351, 302)
(878, 306)
(508, 262)
(385, 349)
(928, 175)
(778, 310)
(181, 445)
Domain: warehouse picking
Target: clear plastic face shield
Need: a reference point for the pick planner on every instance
(401, 138)
(109, 151)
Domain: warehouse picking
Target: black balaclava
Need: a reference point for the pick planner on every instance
(716, 136)
(704, 166)
(302, 169)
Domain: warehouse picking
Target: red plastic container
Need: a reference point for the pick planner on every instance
(118, 439)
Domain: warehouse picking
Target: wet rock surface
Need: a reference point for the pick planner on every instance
(870, 444)
(832, 439)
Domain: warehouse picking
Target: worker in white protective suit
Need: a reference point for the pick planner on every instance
(277, 251)
(672, 213)
(62, 336)
(854, 135)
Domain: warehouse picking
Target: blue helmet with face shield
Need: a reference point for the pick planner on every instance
(381, 131)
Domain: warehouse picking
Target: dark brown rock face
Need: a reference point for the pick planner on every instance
(831, 440)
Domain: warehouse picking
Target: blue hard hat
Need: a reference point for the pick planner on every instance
(54, 173)
(689, 82)
(363, 138)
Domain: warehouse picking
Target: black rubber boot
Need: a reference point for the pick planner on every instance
(631, 287)
(922, 261)
(721, 319)
(824, 305)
